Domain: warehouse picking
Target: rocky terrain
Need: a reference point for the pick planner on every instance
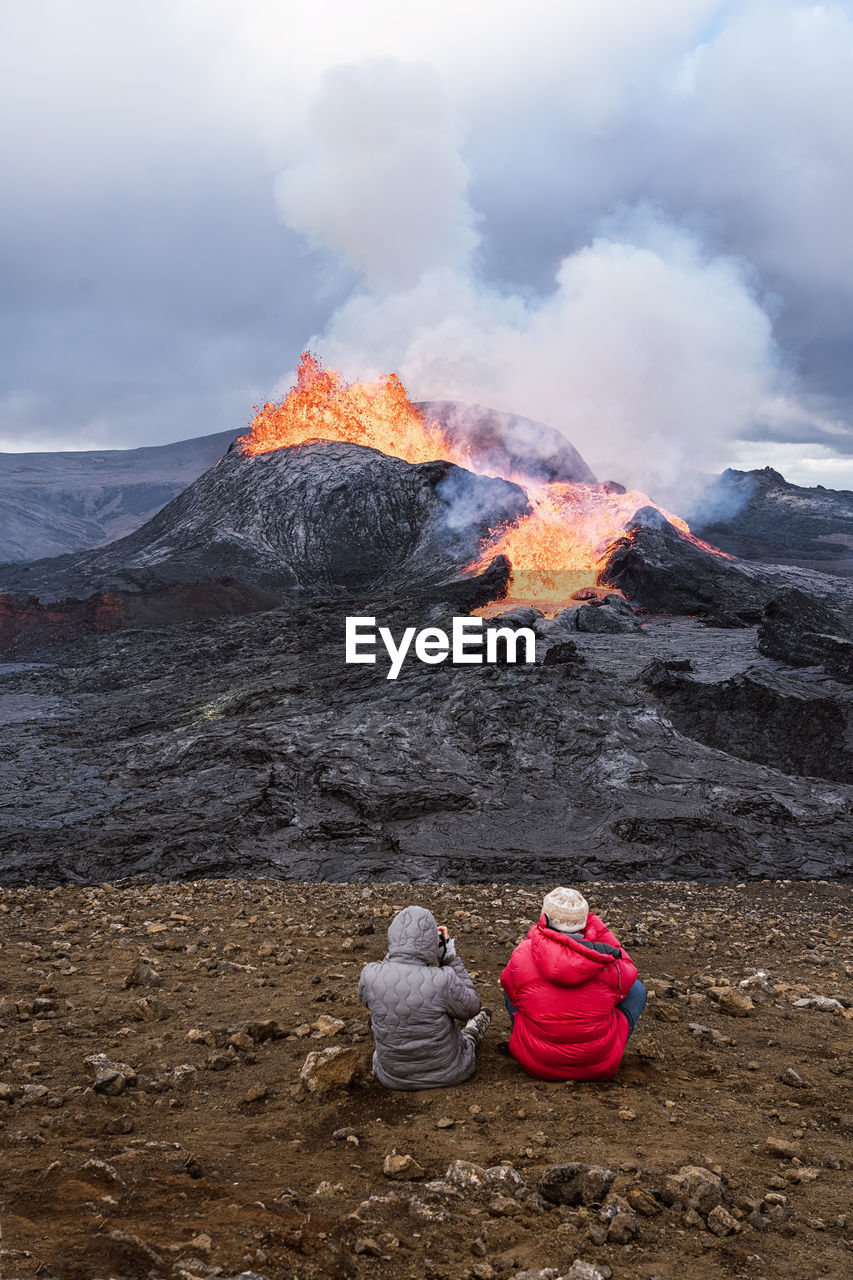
(186, 708)
(246, 746)
(185, 1091)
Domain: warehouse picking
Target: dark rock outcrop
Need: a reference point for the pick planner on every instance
(662, 570)
(610, 615)
(772, 719)
(799, 630)
(564, 654)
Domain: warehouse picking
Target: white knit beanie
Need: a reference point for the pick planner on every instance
(566, 910)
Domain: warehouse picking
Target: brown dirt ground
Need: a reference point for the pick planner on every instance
(189, 1157)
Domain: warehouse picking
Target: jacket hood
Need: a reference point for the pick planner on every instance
(413, 936)
(563, 960)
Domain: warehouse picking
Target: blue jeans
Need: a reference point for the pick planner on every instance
(632, 1006)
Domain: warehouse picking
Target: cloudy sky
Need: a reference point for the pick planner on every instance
(630, 220)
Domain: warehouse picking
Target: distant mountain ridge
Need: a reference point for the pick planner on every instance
(759, 515)
(54, 503)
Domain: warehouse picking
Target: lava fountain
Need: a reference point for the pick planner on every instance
(554, 550)
(322, 406)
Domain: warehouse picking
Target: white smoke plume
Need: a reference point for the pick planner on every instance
(383, 182)
(649, 354)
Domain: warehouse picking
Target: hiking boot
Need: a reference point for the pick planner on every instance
(477, 1026)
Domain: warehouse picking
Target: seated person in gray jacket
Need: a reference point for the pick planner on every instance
(414, 995)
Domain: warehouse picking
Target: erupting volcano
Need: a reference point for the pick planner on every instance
(672, 745)
(555, 549)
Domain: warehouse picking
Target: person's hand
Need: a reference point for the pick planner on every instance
(447, 948)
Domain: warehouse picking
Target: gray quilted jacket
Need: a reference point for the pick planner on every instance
(413, 1003)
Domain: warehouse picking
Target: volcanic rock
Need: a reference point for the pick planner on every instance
(736, 1003)
(27, 626)
(466, 1176)
(150, 1009)
(328, 1026)
(266, 1029)
(721, 1222)
(564, 654)
(696, 1188)
(142, 975)
(606, 616)
(501, 1206)
(623, 1228)
(111, 1077)
(401, 1166)
(761, 715)
(662, 570)
(642, 1201)
(582, 1270)
(576, 1183)
(802, 631)
(826, 1004)
(319, 516)
(504, 1177)
(247, 746)
(329, 1069)
(129, 1254)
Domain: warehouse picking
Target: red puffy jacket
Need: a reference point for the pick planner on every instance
(567, 1027)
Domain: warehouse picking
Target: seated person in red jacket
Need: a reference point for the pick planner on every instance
(572, 993)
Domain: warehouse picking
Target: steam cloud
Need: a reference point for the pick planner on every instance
(385, 182)
(648, 353)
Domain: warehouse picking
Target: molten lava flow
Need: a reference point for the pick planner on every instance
(554, 550)
(322, 406)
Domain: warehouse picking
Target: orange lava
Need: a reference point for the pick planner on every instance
(322, 406)
(554, 551)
